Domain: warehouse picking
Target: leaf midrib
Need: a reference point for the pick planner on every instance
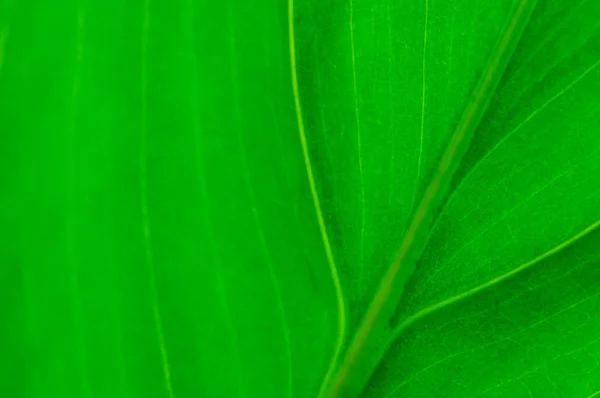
(392, 284)
(409, 320)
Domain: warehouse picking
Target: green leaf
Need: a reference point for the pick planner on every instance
(160, 230)
(299, 199)
(526, 189)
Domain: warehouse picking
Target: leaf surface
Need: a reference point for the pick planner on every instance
(161, 233)
(202, 199)
(526, 189)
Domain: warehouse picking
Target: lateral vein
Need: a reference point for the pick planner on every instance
(459, 297)
(313, 189)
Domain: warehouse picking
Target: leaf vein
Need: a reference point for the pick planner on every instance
(341, 331)
(149, 253)
(422, 122)
(494, 281)
(512, 132)
(392, 284)
(358, 141)
(507, 337)
(502, 218)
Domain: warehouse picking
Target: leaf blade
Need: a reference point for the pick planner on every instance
(386, 299)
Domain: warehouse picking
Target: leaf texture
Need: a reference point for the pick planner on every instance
(202, 199)
(161, 235)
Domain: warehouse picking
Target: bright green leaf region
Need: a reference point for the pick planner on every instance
(300, 199)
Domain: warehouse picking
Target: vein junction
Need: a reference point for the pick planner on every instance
(357, 364)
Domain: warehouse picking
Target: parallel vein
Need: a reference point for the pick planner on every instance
(146, 229)
(358, 139)
(207, 213)
(420, 159)
(255, 215)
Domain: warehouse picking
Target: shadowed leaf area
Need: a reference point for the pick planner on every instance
(300, 198)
